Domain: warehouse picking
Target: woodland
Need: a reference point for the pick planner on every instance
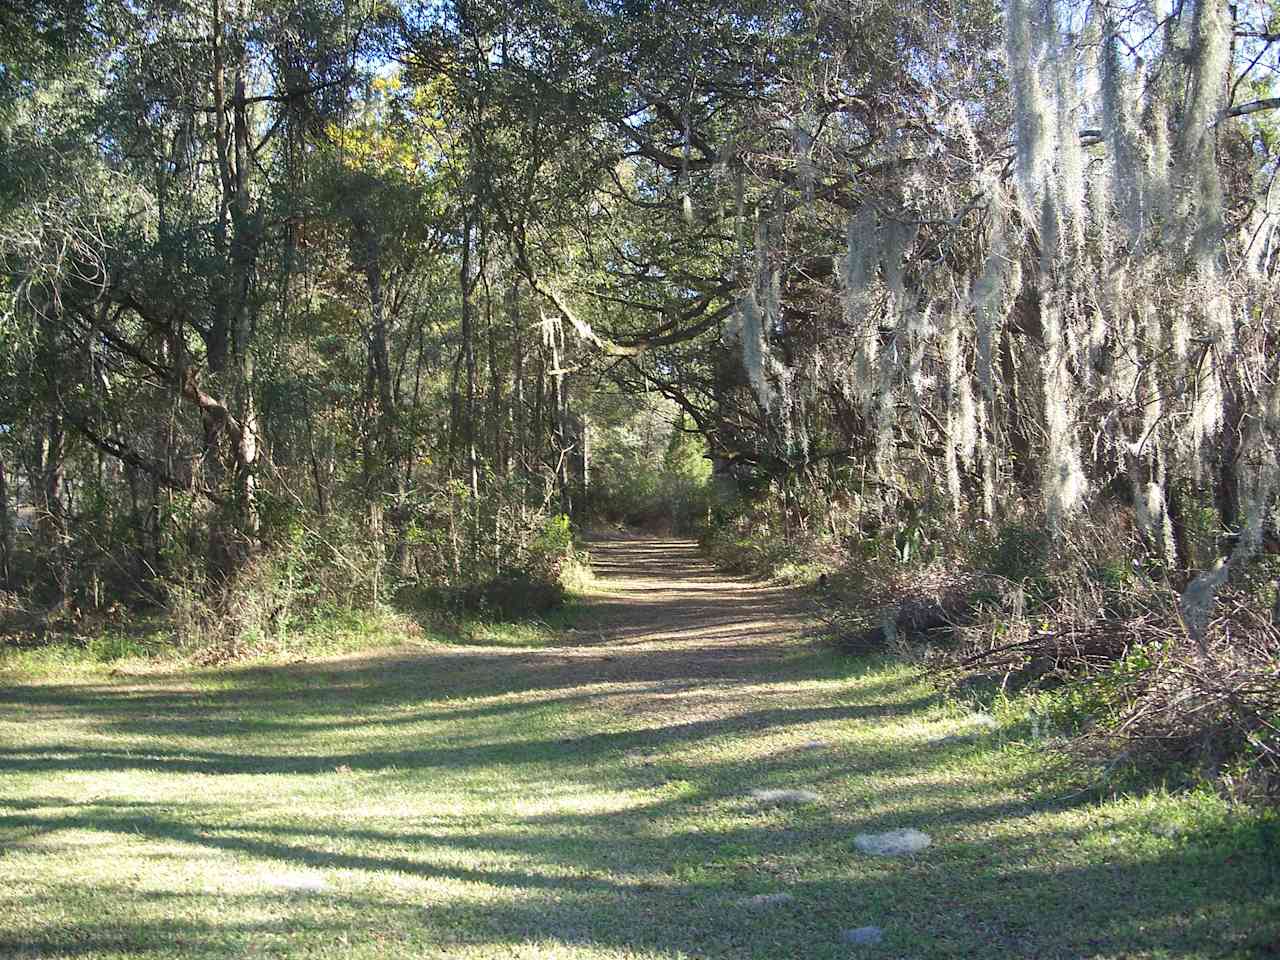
(963, 316)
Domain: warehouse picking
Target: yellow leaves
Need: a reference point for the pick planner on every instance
(392, 134)
(374, 149)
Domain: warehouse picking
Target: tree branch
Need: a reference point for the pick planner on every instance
(134, 459)
(1255, 106)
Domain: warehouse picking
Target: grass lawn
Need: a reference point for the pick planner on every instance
(446, 800)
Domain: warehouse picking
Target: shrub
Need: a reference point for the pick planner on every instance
(512, 595)
(1167, 701)
(549, 549)
(304, 573)
(641, 485)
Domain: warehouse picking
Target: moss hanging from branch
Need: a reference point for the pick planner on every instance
(1025, 24)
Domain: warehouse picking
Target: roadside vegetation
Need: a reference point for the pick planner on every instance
(1089, 636)
(295, 608)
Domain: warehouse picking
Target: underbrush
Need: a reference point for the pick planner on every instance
(313, 592)
(755, 540)
(644, 483)
(527, 583)
(1087, 640)
(1097, 647)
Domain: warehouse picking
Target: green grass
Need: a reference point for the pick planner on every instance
(474, 802)
(549, 629)
(341, 631)
(114, 651)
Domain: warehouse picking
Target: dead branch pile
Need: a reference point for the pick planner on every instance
(1218, 709)
(1076, 634)
(900, 608)
(1157, 697)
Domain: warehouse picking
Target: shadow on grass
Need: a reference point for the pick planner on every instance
(626, 880)
(178, 935)
(399, 688)
(514, 753)
(662, 873)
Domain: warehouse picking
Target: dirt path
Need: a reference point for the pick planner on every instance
(668, 636)
(663, 628)
(663, 591)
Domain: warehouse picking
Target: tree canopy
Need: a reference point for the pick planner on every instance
(377, 272)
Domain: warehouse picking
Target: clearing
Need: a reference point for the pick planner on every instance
(687, 775)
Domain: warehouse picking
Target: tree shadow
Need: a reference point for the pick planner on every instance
(628, 880)
(514, 753)
(663, 871)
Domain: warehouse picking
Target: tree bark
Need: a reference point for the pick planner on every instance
(1227, 489)
(1019, 438)
(8, 540)
(501, 431)
(54, 518)
(231, 425)
(518, 427)
(469, 359)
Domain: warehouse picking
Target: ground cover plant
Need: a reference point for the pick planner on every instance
(687, 775)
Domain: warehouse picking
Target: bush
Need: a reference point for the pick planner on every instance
(1087, 633)
(305, 573)
(1019, 552)
(548, 551)
(536, 553)
(512, 595)
(1217, 709)
(667, 492)
(531, 589)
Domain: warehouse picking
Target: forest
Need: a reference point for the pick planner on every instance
(960, 316)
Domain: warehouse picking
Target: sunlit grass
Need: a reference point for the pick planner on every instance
(543, 631)
(447, 801)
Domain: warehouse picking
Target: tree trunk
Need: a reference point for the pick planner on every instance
(560, 419)
(231, 426)
(8, 542)
(1025, 464)
(501, 431)
(1227, 490)
(54, 519)
(538, 420)
(469, 358)
(1176, 509)
(518, 426)
(387, 477)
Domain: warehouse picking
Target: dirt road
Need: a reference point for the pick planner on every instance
(665, 591)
